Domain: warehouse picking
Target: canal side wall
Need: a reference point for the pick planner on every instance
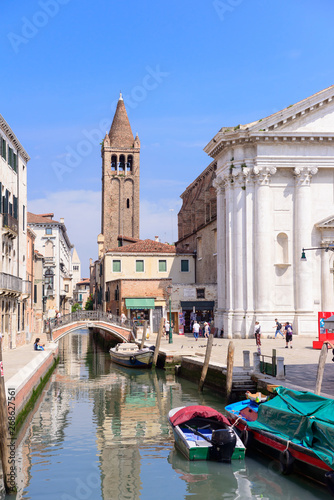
(27, 379)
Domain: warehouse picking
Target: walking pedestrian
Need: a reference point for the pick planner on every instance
(278, 327)
(257, 334)
(288, 335)
(196, 329)
(206, 330)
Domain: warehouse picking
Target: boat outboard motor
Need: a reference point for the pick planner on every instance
(223, 444)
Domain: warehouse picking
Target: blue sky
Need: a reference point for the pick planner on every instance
(185, 69)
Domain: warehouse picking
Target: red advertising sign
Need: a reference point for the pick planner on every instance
(322, 331)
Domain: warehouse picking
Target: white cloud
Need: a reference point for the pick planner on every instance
(82, 216)
(159, 219)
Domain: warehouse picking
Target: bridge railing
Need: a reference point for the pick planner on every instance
(54, 323)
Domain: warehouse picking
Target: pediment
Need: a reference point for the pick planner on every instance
(327, 223)
(312, 115)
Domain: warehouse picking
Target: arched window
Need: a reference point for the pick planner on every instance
(121, 165)
(49, 249)
(114, 162)
(129, 163)
(128, 203)
(48, 281)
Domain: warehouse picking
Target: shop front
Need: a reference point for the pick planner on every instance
(199, 310)
(140, 310)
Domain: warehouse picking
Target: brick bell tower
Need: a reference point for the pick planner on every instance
(120, 182)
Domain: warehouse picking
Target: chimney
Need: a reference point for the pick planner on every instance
(156, 238)
(61, 220)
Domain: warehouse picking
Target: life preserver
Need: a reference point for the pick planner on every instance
(286, 462)
(329, 477)
(246, 437)
(132, 360)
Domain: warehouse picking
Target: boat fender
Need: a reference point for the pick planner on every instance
(132, 360)
(329, 477)
(246, 437)
(286, 462)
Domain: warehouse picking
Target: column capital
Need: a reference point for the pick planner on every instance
(219, 184)
(304, 175)
(262, 175)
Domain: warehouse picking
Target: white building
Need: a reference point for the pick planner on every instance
(275, 196)
(14, 288)
(53, 243)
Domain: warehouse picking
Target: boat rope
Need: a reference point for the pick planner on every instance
(287, 446)
(235, 423)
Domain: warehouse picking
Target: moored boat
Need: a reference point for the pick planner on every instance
(128, 354)
(295, 427)
(202, 433)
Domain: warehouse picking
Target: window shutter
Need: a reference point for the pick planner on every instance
(3, 149)
(0, 197)
(15, 162)
(15, 207)
(5, 208)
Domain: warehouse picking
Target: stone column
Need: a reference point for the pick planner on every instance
(229, 257)
(219, 185)
(238, 244)
(263, 230)
(327, 298)
(302, 234)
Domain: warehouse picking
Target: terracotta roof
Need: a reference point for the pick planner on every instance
(120, 131)
(145, 246)
(127, 238)
(40, 218)
(84, 281)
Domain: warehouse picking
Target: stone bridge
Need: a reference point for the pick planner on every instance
(59, 327)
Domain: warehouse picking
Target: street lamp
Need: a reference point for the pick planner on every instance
(169, 291)
(303, 257)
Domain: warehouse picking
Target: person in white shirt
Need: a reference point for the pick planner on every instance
(195, 329)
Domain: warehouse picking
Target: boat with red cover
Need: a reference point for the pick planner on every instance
(202, 433)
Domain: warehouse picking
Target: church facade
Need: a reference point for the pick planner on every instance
(275, 196)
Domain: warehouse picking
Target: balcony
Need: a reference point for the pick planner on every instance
(49, 261)
(10, 225)
(10, 284)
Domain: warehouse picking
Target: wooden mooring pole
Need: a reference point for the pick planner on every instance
(229, 369)
(321, 367)
(144, 335)
(206, 362)
(7, 444)
(157, 344)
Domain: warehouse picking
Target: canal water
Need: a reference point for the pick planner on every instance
(101, 432)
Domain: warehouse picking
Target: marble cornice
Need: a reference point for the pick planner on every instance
(223, 140)
(10, 134)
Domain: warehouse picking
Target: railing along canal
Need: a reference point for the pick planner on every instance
(79, 316)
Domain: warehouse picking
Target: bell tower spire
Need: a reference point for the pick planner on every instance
(120, 180)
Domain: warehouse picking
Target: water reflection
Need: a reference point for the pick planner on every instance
(101, 432)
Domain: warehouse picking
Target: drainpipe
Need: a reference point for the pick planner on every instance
(195, 257)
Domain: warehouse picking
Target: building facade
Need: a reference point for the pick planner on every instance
(15, 289)
(275, 196)
(134, 280)
(53, 243)
(81, 292)
(120, 182)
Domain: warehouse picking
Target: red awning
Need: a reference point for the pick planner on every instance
(189, 412)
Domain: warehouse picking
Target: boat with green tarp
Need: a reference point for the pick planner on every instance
(295, 427)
